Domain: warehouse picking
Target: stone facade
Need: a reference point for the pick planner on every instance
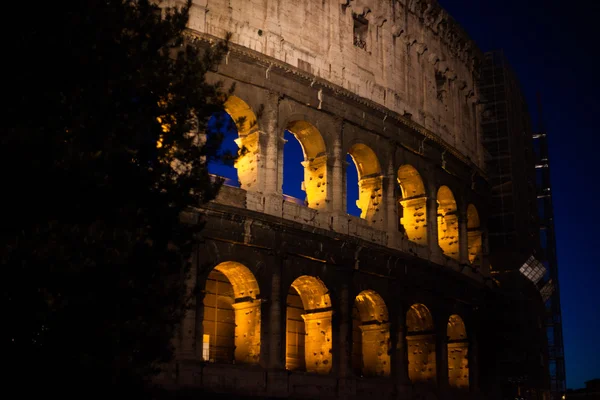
(415, 61)
(306, 301)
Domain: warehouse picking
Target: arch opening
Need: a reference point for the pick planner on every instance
(458, 348)
(420, 337)
(237, 125)
(412, 205)
(369, 181)
(474, 238)
(308, 327)
(231, 324)
(313, 166)
(447, 223)
(371, 335)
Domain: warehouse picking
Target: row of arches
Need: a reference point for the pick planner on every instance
(305, 175)
(232, 324)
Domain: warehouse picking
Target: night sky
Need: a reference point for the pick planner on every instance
(552, 46)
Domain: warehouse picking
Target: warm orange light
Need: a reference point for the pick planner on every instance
(421, 344)
(371, 319)
(370, 181)
(315, 162)
(309, 334)
(447, 223)
(413, 204)
(232, 314)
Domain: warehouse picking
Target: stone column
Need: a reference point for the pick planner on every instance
(336, 184)
(391, 206)
(432, 225)
(270, 128)
(247, 332)
(344, 367)
(441, 352)
(186, 348)
(317, 348)
(375, 346)
(198, 326)
(463, 238)
(276, 315)
(473, 364)
(400, 354)
(485, 261)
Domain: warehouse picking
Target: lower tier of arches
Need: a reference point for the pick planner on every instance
(280, 310)
(240, 323)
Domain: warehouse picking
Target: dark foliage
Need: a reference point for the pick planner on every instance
(98, 163)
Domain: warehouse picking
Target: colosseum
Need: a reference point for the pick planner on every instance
(296, 297)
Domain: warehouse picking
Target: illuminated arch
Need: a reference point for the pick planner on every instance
(247, 127)
(413, 204)
(315, 162)
(420, 337)
(370, 180)
(458, 347)
(308, 338)
(371, 335)
(231, 324)
(474, 239)
(447, 223)
(419, 319)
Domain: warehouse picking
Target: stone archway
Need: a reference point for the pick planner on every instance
(370, 335)
(413, 204)
(458, 347)
(308, 327)
(231, 324)
(420, 336)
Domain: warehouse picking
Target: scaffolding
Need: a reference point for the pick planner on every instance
(521, 228)
(506, 135)
(548, 243)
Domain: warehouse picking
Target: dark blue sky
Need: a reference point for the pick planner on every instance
(552, 46)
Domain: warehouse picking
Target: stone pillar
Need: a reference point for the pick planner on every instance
(276, 315)
(337, 186)
(316, 182)
(414, 219)
(186, 348)
(344, 367)
(485, 261)
(375, 346)
(400, 354)
(390, 182)
(247, 332)
(432, 225)
(317, 348)
(270, 127)
(463, 238)
(198, 326)
(473, 364)
(442, 355)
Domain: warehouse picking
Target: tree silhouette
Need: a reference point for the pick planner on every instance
(101, 152)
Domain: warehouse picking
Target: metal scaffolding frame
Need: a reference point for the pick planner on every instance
(548, 244)
(521, 210)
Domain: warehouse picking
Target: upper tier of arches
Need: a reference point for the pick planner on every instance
(390, 192)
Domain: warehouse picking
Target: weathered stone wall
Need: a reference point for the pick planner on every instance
(401, 103)
(413, 58)
(330, 276)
